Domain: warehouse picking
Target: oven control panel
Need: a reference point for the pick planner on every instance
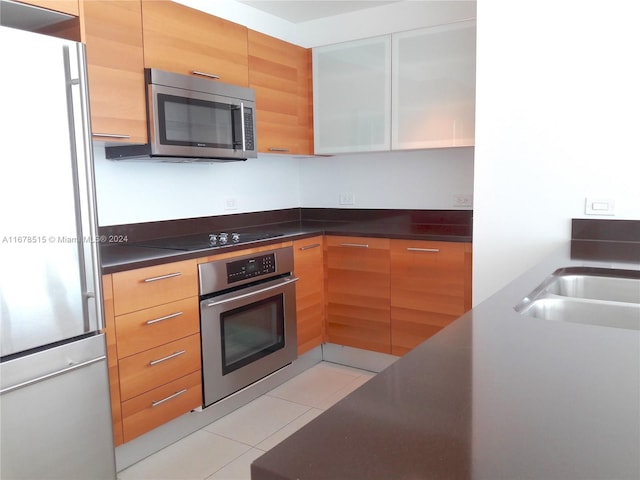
(251, 267)
(233, 272)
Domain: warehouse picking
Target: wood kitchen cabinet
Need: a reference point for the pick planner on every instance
(308, 257)
(358, 293)
(430, 287)
(184, 40)
(156, 325)
(112, 31)
(280, 74)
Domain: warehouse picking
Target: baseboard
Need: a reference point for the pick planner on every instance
(357, 358)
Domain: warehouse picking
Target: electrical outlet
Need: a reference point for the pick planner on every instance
(346, 198)
(230, 203)
(599, 206)
(463, 200)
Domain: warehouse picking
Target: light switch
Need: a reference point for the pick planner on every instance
(599, 206)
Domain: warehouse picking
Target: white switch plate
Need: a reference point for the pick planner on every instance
(462, 200)
(347, 198)
(599, 206)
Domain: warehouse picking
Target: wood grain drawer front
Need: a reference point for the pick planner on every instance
(147, 287)
(153, 368)
(428, 290)
(152, 327)
(152, 409)
(358, 306)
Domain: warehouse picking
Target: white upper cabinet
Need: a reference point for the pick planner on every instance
(433, 95)
(408, 90)
(352, 96)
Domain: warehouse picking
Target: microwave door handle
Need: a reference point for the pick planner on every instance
(244, 139)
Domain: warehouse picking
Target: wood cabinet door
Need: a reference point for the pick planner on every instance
(358, 306)
(428, 289)
(112, 31)
(184, 40)
(280, 74)
(309, 269)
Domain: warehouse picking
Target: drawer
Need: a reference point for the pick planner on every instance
(152, 409)
(147, 287)
(153, 368)
(152, 327)
(355, 243)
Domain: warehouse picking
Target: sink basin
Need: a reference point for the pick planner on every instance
(594, 296)
(605, 314)
(595, 284)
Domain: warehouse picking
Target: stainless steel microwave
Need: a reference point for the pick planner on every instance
(194, 119)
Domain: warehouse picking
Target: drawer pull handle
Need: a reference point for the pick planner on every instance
(166, 317)
(168, 357)
(160, 402)
(308, 247)
(205, 74)
(357, 245)
(162, 277)
(278, 149)
(112, 135)
(416, 249)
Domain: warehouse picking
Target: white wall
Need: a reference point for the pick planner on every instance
(426, 179)
(135, 191)
(557, 120)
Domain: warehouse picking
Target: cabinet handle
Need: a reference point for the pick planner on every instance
(162, 277)
(416, 249)
(177, 394)
(356, 245)
(168, 357)
(111, 135)
(167, 317)
(308, 247)
(278, 149)
(205, 74)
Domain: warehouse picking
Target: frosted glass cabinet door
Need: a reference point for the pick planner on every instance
(351, 96)
(434, 77)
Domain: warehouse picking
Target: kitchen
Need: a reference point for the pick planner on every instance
(503, 227)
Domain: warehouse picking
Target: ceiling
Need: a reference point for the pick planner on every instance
(297, 11)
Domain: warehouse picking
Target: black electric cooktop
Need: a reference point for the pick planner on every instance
(203, 241)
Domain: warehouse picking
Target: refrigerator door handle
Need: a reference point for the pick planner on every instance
(51, 375)
(84, 185)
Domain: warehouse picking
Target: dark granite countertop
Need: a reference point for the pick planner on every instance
(495, 395)
(127, 251)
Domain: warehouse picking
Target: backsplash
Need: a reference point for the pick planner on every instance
(133, 192)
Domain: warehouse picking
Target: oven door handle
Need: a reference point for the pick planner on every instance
(250, 294)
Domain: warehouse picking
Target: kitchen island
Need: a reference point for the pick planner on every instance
(494, 395)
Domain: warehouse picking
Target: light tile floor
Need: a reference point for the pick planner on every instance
(224, 449)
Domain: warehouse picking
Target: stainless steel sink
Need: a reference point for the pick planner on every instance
(594, 296)
(581, 284)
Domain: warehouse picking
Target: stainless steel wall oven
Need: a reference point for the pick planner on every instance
(248, 320)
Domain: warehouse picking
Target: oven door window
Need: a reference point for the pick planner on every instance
(194, 122)
(251, 332)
